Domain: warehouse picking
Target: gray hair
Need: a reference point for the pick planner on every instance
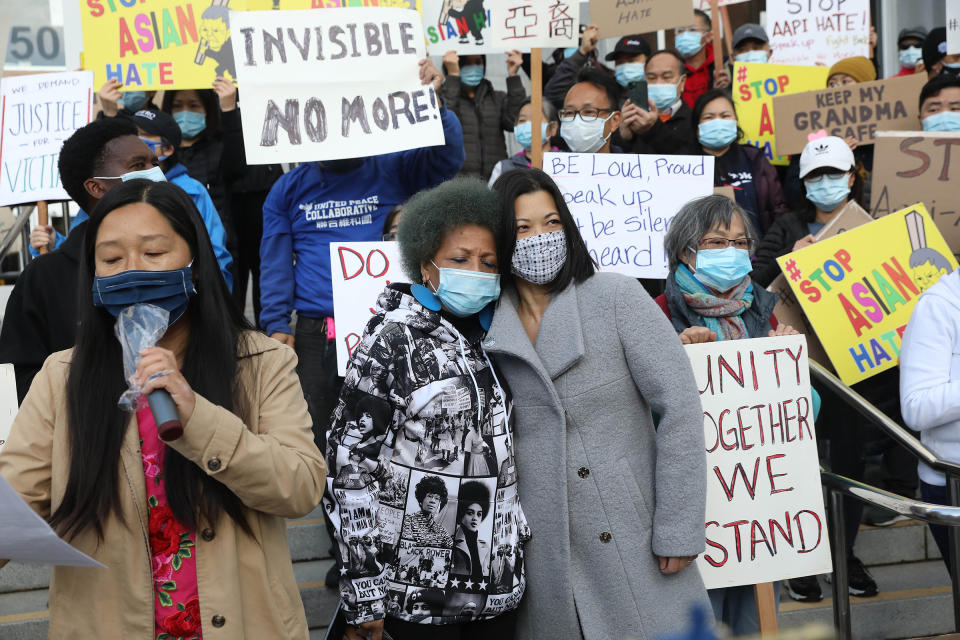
(548, 108)
(931, 256)
(695, 219)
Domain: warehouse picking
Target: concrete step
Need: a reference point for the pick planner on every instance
(914, 600)
(905, 541)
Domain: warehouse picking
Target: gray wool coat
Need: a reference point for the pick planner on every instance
(605, 491)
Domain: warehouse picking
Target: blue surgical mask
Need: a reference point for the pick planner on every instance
(465, 293)
(523, 132)
(170, 290)
(663, 95)
(191, 123)
(717, 133)
(829, 192)
(688, 43)
(722, 269)
(910, 56)
(942, 121)
(133, 100)
(629, 72)
(471, 75)
(153, 173)
(582, 136)
(757, 55)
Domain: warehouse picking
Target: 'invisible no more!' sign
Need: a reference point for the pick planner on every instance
(321, 85)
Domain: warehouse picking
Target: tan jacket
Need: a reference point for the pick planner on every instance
(246, 584)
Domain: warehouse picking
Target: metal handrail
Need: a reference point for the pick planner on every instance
(934, 513)
(14, 231)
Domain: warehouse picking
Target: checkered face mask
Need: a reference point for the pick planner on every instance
(538, 259)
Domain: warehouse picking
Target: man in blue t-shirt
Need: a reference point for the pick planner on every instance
(335, 201)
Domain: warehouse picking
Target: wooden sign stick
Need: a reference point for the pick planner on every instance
(727, 31)
(44, 220)
(766, 608)
(536, 106)
(717, 39)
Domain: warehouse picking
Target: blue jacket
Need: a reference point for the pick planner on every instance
(211, 219)
(309, 207)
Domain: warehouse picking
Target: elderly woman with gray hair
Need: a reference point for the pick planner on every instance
(709, 296)
(432, 506)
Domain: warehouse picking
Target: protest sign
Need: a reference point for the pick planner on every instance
(859, 288)
(818, 31)
(286, 5)
(525, 24)
(765, 519)
(953, 26)
(167, 44)
(850, 111)
(320, 85)
(359, 272)
(704, 5)
(755, 85)
(623, 203)
(788, 310)
(617, 18)
(461, 25)
(39, 112)
(916, 167)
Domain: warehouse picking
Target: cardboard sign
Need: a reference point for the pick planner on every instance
(460, 25)
(359, 272)
(617, 18)
(818, 31)
(755, 86)
(321, 85)
(850, 111)
(8, 401)
(522, 24)
(704, 5)
(916, 167)
(39, 112)
(859, 288)
(953, 26)
(765, 519)
(623, 203)
(788, 310)
(268, 5)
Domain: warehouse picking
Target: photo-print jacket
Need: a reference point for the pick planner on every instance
(422, 490)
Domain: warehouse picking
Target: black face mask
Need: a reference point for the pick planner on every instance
(342, 165)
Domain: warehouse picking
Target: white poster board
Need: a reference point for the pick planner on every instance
(623, 203)
(822, 32)
(8, 401)
(953, 26)
(359, 272)
(765, 519)
(522, 24)
(39, 112)
(337, 83)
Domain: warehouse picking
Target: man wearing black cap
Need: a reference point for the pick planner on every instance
(629, 55)
(935, 58)
(750, 43)
(162, 134)
(910, 44)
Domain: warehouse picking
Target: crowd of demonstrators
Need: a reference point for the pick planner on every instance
(523, 133)
(484, 113)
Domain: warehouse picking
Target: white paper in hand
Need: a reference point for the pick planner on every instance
(26, 537)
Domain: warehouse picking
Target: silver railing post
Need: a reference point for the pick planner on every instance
(838, 552)
(953, 499)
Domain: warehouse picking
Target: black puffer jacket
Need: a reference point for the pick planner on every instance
(484, 118)
(675, 136)
(204, 162)
(778, 241)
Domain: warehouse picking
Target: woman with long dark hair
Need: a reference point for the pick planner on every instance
(191, 531)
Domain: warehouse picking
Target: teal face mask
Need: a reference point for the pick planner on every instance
(910, 56)
(758, 55)
(943, 121)
(133, 100)
(464, 292)
(829, 192)
(663, 95)
(722, 269)
(523, 132)
(628, 72)
(688, 43)
(717, 133)
(191, 123)
(471, 75)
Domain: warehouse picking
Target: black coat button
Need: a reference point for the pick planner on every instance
(605, 537)
(583, 472)
(218, 621)
(213, 464)
(208, 534)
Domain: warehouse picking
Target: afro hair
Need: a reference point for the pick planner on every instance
(473, 492)
(83, 154)
(431, 484)
(430, 215)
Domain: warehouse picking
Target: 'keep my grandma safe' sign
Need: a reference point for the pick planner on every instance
(339, 83)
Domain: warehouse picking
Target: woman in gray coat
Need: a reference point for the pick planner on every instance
(615, 504)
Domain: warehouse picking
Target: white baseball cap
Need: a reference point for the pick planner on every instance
(829, 151)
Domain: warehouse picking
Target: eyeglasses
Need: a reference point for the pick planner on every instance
(819, 178)
(722, 243)
(587, 115)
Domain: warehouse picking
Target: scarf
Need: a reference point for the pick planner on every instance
(720, 314)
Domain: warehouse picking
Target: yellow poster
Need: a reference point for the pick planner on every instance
(177, 44)
(754, 87)
(859, 288)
